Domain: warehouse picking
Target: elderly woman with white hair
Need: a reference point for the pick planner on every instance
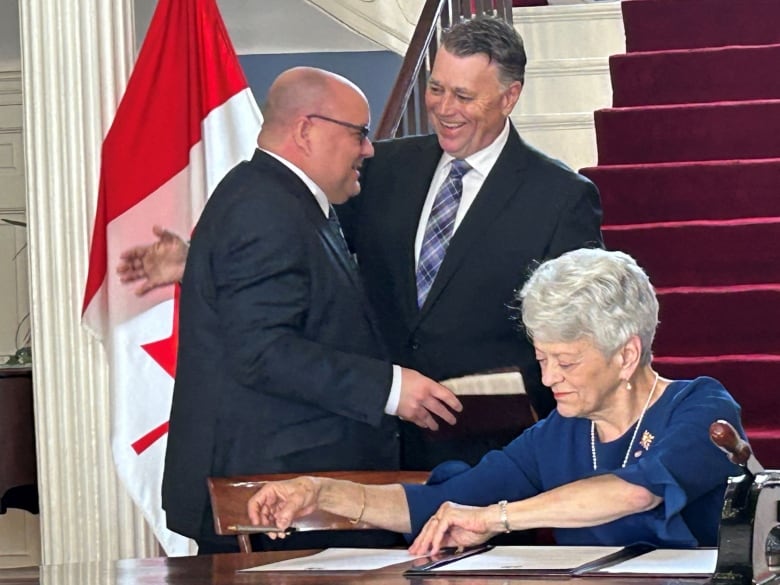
(625, 458)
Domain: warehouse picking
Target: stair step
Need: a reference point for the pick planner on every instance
(695, 76)
(562, 86)
(689, 168)
(766, 446)
(718, 320)
(749, 379)
(567, 137)
(576, 31)
(702, 254)
(685, 24)
(723, 130)
(682, 191)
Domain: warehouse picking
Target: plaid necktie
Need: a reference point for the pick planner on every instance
(439, 229)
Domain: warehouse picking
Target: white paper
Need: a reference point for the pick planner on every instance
(342, 559)
(530, 558)
(666, 561)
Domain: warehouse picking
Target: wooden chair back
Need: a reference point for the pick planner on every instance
(229, 497)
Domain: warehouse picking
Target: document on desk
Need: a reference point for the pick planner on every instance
(341, 559)
(664, 561)
(530, 560)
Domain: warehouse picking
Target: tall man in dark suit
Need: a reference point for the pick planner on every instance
(281, 367)
(517, 207)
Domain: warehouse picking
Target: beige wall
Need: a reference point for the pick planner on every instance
(19, 530)
(13, 259)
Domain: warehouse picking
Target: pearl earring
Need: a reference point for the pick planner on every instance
(628, 385)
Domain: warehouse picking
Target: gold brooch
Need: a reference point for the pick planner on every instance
(646, 440)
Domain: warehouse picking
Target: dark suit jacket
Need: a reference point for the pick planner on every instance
(281, 367)
(530, 208)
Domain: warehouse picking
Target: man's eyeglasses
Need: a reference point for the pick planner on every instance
(363, 130)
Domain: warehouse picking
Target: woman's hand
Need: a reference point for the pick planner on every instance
(278, 503)
(458, 526)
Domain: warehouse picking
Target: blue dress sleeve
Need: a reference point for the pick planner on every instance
(511, 473)
(683, 466)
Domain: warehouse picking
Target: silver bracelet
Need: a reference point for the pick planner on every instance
(504, 520)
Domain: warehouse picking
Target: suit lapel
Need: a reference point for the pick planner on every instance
(499, 188)
(415, 185)
(333, 242)
(313, 213)
(335, 247)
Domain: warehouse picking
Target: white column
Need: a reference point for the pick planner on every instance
(76, 58)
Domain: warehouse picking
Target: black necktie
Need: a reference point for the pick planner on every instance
(335, 227)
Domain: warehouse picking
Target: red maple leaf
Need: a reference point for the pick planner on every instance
(164, 353)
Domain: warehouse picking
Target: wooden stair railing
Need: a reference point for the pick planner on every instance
(404, 113)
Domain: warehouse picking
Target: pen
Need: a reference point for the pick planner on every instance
(260, 529)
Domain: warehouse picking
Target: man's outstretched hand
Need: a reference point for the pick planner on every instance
(157, 264)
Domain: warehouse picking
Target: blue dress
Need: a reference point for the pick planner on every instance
(672, 457)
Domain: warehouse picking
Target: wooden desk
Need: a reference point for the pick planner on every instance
(18, 475)
(221, 570)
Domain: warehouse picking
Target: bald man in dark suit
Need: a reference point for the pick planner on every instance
(281, 367)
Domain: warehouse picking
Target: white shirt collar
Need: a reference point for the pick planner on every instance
(483, 160)
(319, 194)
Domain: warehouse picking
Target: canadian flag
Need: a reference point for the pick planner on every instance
(186, 118)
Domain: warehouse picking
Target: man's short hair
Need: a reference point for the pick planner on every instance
(493, 37)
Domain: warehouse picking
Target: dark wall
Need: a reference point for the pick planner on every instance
(373, 71)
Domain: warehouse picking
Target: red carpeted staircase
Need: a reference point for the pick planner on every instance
(689, 174)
